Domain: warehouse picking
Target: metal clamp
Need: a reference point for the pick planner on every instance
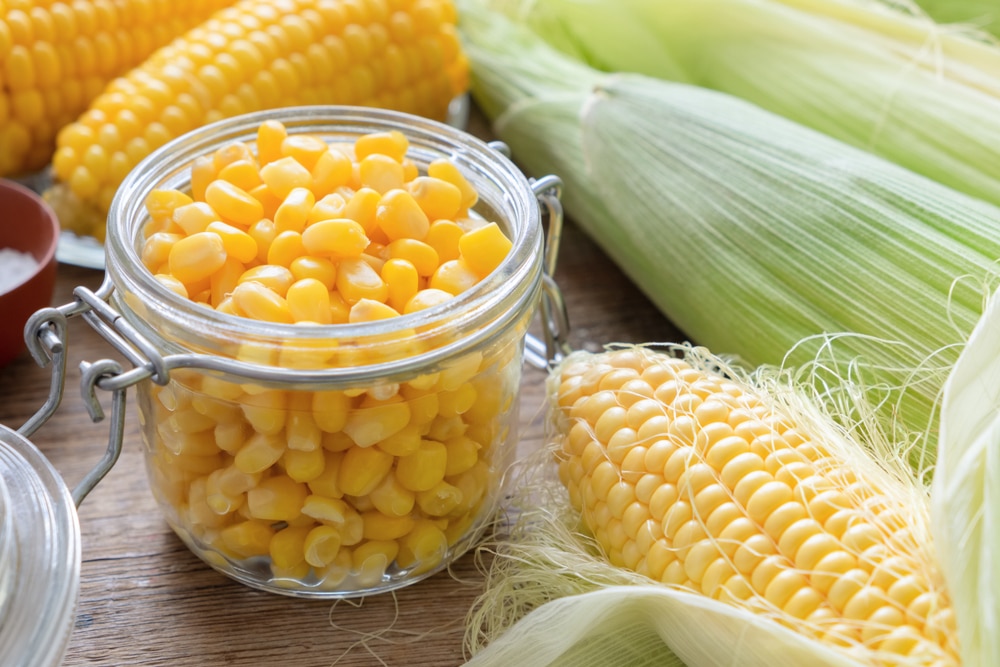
(45, 335)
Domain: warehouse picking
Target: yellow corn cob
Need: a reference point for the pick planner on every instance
(696, 481)
(56, 57)
(257, 54)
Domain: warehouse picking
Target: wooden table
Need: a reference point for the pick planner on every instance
(146, 600)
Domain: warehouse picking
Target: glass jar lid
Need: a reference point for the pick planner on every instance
(39, 556)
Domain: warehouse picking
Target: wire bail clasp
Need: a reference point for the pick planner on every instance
(46, 336)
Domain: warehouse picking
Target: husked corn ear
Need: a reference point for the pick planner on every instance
(698, 481)
(258, 54)
(56, 57)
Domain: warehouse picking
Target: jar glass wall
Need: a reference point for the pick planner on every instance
(334, 460)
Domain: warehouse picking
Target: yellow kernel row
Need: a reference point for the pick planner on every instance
(291, 229)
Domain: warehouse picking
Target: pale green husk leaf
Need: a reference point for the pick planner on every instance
(634, 626)
(965, 493)
(888, 81)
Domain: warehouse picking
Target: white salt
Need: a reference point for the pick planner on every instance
(15, 268)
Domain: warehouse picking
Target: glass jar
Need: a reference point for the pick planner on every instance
(337, 460)
(39, 556)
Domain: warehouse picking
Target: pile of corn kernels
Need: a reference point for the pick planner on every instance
(333, 489)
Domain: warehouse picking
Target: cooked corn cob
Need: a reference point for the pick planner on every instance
(56, 57)
(257, 54)
(698, 481)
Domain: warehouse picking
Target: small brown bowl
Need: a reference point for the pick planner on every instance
(27, 225)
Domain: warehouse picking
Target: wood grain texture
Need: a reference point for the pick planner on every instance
(146, 600)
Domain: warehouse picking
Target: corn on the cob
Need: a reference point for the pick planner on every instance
(697, 480)
(55, 57)
(257, 54)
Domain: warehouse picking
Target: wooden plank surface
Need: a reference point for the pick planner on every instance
(146, 600)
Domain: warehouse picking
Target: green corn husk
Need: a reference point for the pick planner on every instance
(977, 14)
(894, 83)
(758, 237)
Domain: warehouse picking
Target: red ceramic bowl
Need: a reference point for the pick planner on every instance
(27, 224)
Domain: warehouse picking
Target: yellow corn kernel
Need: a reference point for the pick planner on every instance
(427, 298)
(270, 135)
(330, 410)
(327, 483)
(238, 244)
(247, 539)
(484, 248)
(259, 453)
(457, 401)
(362, 469)
(424, 547)
(156, 249)
(339, 238)
(259, 302)
(277, 498)
(326, 509)
(285, 248)
(371, 559)
(333, 169)
(391, 143)
(720, 494)
(357, 280)
(454, 276)
(463, 452)
(424, 468)
(262, 232)
(232, 203)
(367, 310)
(440, 500)
(284, 175)
(381, 173)
(321, 545)
(224, 281)
(420, 254)
(445, 428)
(423, 409)
(372, 256)
(400, 217)
(161, 204)
(272, 276)
(231, 481)
(293, 212)
(392, 498)
(375, 421)
(403, 283)
(172, 284)
(304, 465)
(443, 236)
(447, 171)
(242, 173)
(404, 441)
(378, 526)
(328, 207)
(460, 371)
(474, 484)
(287, 547)
(229, 153)
(303, 148)
(361, 208)
(196, 257)
(314, 268)
(437, 198)
(309, 301)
